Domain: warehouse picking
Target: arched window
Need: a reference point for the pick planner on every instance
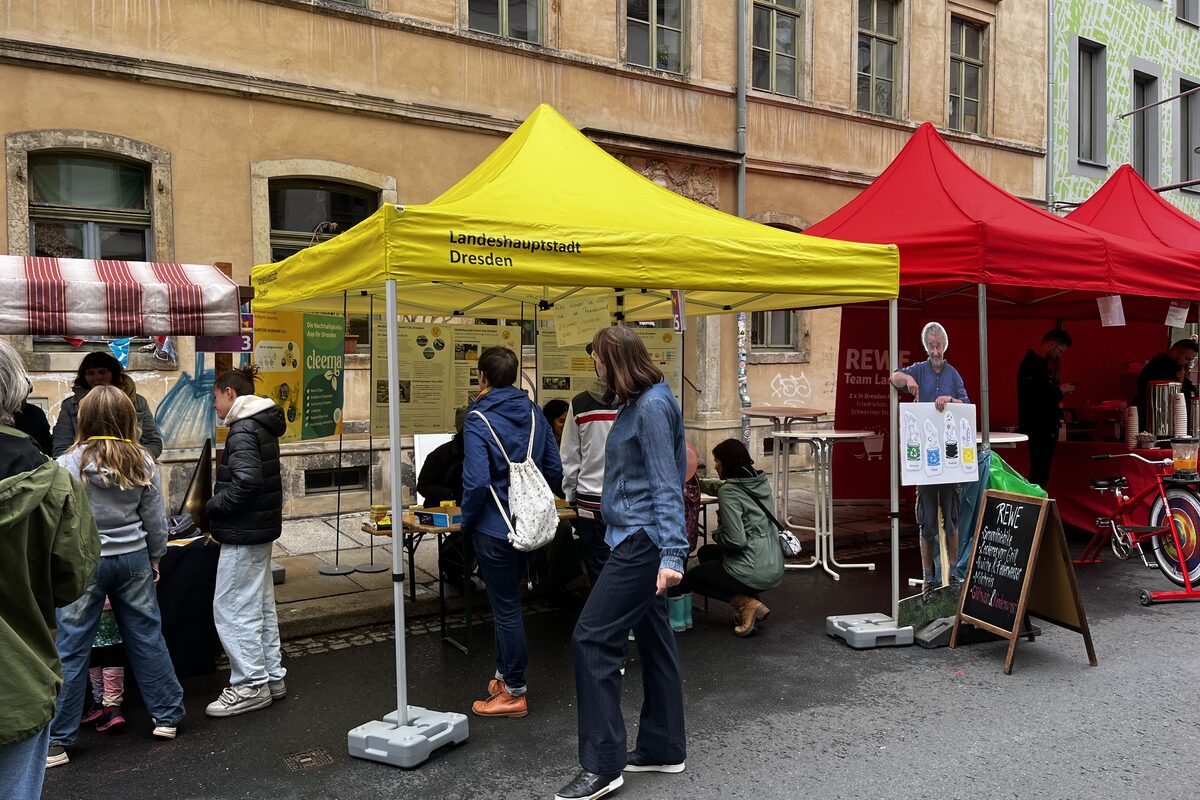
(305, 211)
(86, 206)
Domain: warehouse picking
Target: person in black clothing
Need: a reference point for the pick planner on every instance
(31, 420)
(1165, 367)
(1038, 399)
(441, 481)
(246, 517)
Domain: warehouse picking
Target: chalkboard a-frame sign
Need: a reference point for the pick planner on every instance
(1020, 567)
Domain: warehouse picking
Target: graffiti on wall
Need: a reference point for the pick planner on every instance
(791, 389)
(185, 416)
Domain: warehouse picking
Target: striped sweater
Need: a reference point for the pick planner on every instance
(582, 449)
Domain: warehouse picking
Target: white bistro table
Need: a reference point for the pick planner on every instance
(821, 443)
(782, 418)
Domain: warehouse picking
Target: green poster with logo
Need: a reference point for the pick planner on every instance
(324, 348)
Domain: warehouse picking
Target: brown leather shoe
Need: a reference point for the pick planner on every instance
(746, 614)
(495, 687)
(502, 704)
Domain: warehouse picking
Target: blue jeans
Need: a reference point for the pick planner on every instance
(128, 582)
(23, 765)
(245, 616)
(500, 564)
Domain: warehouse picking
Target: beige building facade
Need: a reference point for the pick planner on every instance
(237, 130)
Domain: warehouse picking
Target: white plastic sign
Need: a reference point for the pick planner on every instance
(937, 446)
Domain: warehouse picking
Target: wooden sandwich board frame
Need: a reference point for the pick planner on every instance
(1049, 590)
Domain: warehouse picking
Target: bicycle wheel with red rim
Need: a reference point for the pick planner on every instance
(1185, 509)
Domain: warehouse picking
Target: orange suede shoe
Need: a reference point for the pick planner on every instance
(501, 705)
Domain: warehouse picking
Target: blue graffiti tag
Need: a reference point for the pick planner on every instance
(185, 417)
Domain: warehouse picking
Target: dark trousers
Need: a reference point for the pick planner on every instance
(501, 565)
(591, 545)
(709, 578)
(1041, 456)
(623, 599)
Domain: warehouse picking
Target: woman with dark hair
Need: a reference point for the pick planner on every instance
(246, 517)
(101, 369)
(746, 558)
(505, 413)
(645, 463)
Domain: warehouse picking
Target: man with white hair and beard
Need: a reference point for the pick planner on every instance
(935, 381)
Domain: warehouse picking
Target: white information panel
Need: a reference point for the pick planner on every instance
(937, 446)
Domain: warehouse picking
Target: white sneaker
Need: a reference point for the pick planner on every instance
(164, 731)
(236, 700)
(278, 689)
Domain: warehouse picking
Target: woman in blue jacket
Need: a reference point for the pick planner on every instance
(514, 417)
(644, 465)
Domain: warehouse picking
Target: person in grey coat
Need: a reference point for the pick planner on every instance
(99, 369)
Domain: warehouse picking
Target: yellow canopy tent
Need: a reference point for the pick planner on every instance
(546, 216)
(549, 212)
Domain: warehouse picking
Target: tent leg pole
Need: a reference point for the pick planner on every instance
(407, 737)
(894, 457)
(397, 480)
(985, 419)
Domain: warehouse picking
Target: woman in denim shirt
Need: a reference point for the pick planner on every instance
(643, 510)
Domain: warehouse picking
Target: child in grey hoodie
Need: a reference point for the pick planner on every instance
(123, 489)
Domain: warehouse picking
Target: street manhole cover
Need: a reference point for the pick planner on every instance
(309, 759)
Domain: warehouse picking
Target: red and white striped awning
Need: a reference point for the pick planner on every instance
(77, 297)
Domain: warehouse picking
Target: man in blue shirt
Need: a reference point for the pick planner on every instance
(935, 381)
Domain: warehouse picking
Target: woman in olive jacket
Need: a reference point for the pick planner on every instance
(747, 558)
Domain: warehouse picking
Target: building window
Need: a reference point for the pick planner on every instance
(1143, 128)
(330, 480)
(772, 330)
(88, 207)
(776, 47)
(654, 34)
(512, 19)
(1092, 102)
(966, 76)
(305, 212)
(878, 44)
(1188, 11)
(1189, 133)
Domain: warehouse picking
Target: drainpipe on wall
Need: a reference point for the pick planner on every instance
(1050, 87)
(743, 344)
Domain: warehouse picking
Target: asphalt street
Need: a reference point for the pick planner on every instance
(789, 713)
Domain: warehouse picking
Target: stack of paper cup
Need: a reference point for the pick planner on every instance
(1179, 426)
(1131, 427)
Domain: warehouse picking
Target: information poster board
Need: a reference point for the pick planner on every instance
(324, 354)
(937, 446)
(563, 370)
(300, 365)
(279, 356)
(439, 372)
(1020, 567)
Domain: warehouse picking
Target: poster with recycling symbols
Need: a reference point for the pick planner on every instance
(937, 446)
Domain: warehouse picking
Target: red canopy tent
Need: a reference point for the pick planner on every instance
(957, 230)
(1127, 206)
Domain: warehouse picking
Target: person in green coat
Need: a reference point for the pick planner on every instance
(49, 547)
(746, 559)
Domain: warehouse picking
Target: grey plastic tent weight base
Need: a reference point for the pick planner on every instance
(408, 745)
(864, 631)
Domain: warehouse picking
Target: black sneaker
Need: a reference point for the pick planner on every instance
(56, 756)
(588, 786)
(955, 584)
(927, 592)
(639, 763)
